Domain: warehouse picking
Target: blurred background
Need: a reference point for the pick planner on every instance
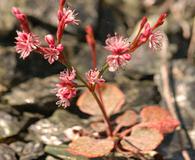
(29, 118)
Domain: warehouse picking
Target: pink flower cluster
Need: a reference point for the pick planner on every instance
(53, 51)
(66, 88)
(93, 77)
(155, 40)
(26, 41)
(121, 48)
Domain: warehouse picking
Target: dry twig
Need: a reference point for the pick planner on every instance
(169, 97)
(191, 49)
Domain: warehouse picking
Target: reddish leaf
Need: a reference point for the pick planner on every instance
(159, 118)
(91, 148)
(112, 96)
(142, 138)
(98, 126)
(128, 118)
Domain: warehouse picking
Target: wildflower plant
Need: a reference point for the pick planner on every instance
(131, 134)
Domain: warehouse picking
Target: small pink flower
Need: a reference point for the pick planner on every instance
(117, 44)
(145, 34)
(66, 92)
(155, 40)
(52, 53)
(63, 102)
(68, 76)
(119, 47)
(90, 36)
(68, 16)
(116, 61)
(65, 17)
(26, 43)
(50, 40)
(66, 87)
(92, 77)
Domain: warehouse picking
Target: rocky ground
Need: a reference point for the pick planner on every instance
(29, 118)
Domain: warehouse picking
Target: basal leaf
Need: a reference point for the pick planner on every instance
(142, 139)
(159, 118)
(98, 126)
(90, 147)
(128, 118)
(113, 99)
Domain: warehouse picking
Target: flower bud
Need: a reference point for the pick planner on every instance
(50, 39)
(60, 47)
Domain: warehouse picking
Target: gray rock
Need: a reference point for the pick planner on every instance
(144, 62)
(48, 132)
(7, 20)
(46, 11)
(178, 155)
(9, 125)
(85, 63)
(138, 93)
(28, 151)
(59, 152)
(111, 20)
(52, 131)
(183, 75)
(7, 67)
(36, 92)
(130, 9)
(84, 9)
(34, 66)
(182, 84)
(6, 153)
(51, 158)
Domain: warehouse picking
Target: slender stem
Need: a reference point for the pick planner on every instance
(104, 113)
(104, 68)
(125, 132)
(93, 55)
(102, 108)
(80, 85)
(191, 48)
(100, 104)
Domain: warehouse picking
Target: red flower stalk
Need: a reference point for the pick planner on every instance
(90, 36)
(92, 44)
(61, 4)
(148, 33)
(21, 17)
(160, 20)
